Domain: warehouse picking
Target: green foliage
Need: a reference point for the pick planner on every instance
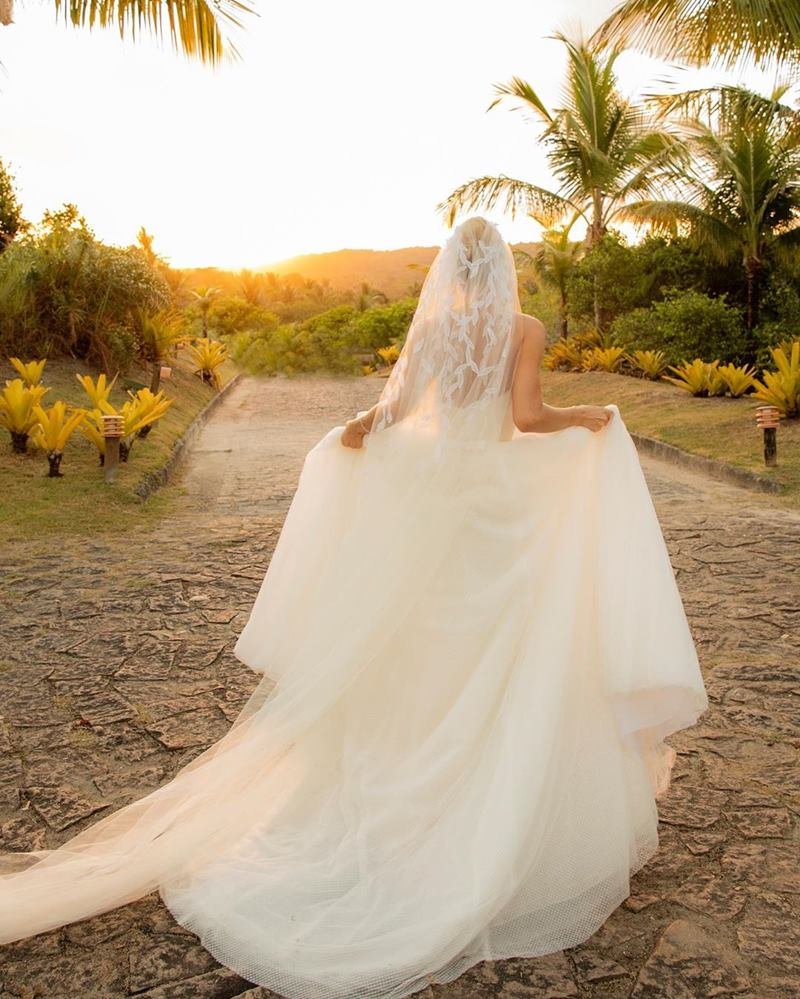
(685, 324)
(332, 341)
(737, 194)
(62, 291)
(702, 31)
(230, 314)
(603, 148)
(617, 276)
(11, 221)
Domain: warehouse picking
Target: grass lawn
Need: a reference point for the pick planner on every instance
(719, 428)
(33, 506)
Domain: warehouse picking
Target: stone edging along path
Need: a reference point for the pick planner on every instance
(712, 467)
(159, 476)
(649, 445)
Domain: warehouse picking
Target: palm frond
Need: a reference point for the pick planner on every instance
(702, 31)
(195, 28)
(524, 92)
(514, 196)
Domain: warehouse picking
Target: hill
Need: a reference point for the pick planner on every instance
(394, 272)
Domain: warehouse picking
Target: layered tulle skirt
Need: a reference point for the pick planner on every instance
(456, 748)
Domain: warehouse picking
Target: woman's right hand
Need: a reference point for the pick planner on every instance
(592, 417)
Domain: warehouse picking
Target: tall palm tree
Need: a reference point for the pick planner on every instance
(555, 262)
(603, 150)
(738, 194)
(204, 298)
(195, 28)
(701, 31)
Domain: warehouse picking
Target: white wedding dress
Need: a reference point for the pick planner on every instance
(473, 647)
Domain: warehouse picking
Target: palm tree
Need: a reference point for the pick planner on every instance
(251, 287)
(555, 263)
(367, 296)
(195, 28)
(602, 149)
(738, 194)
(701, 31)
(204, 299)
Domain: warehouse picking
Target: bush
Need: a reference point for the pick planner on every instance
(64, 292)
(331, 341)
(686, 324)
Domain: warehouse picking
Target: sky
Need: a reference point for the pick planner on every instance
(342, 125)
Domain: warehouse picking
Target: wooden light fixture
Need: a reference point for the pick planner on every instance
(768, 419)
(112, 432)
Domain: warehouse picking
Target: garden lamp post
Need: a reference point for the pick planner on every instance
(112, 432)
(768, 419)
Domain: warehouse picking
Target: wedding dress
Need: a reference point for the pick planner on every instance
(473, 648)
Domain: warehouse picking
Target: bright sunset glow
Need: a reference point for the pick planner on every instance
(341, 126)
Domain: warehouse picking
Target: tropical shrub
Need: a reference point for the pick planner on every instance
(209, 355)
(699, 377)
(160, 333)
(62, 291)
(230, 315)
(737, 379)
(389, 355)
(334, 340)
(142, 409)
(18, 403)
(684, 324)
(98, 391)
(53, 429)
(603, 358)
(781, 388)
(31, 373)
(651, 363)
(564, 355)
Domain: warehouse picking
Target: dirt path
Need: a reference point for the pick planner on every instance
(116, 669)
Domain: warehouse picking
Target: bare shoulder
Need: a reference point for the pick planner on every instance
(533, 331)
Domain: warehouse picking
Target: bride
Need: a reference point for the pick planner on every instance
(472, 647)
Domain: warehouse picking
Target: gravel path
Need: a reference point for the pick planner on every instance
(116, 669)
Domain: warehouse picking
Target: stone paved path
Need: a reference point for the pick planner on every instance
(116, 669)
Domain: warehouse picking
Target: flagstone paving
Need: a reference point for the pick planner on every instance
(116, 669)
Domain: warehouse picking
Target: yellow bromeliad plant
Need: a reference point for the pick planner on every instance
(209, 355)
(53, 429)
(140, 411)
(700, 378)
(17, 404)
(565, 354)
(651, 363)
(603, 358)
(389, 355)
(737, 379)
(98, 391)
(30, 373)
(781, 388)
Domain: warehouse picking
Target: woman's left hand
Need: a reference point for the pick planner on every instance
(353, 434)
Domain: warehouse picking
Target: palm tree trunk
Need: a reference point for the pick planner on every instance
(155, 381)
(596, 232)
(753, 271)
(564, 316)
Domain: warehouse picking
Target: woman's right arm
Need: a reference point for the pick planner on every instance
(531, 413)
